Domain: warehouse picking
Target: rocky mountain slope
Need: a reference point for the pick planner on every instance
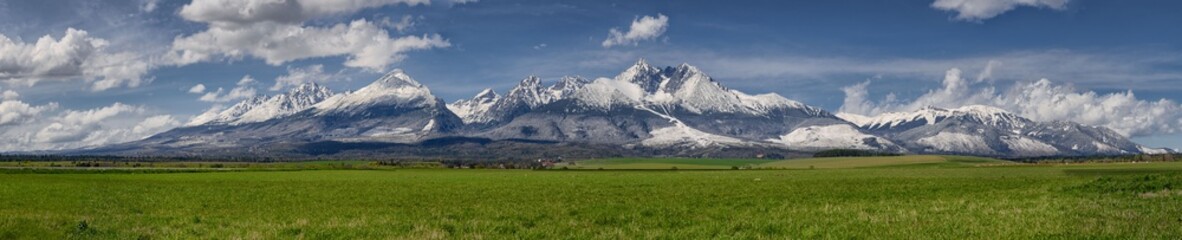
(644, 110)
(989, 131)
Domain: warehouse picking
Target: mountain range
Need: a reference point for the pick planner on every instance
(643, 111)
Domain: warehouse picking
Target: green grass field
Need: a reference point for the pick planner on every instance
(804, 163)
(663, 163)
(953, 198)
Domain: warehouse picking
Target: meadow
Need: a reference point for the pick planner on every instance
(942, 197)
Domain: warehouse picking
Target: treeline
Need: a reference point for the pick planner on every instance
(503, 164)
(1169, 157)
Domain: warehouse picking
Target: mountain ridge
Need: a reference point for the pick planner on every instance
(671, 111)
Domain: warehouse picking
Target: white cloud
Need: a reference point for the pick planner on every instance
(148, 5)
(275, 32)
(155, 124)
(405, 24)
(243, 90)
(1041, 100)
(977, 10)
(74, 126)
(199, 88)
(9, 95)
(17, 112)
(242, 12)
(24, 127)
(642, 29)
(237, 93)
(367, 45)
(246, 80)
(76, 55)
(297, 76)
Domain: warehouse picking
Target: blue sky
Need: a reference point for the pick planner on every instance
(140, 58)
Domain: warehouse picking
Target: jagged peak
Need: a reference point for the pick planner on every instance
(396, 87)
(396, 78)
(641, 70)
(308, 88)
(529, 86)
(984, 109)
(573, 79)
(487, 93)
(932, 114)
(530, 81)
(642, 63)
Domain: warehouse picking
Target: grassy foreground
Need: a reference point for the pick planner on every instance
(804, 163)
(909, 201)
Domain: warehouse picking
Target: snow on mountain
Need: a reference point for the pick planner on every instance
(984, 130)
(395, 88)
(529, 93)
(930, 115)
(856, 119)
(486, 107)
(681, 134)
(1026, 146)
(262, 108)
(643, 75)
(476, 109)
(670, 108)
(564, 88)
(605, 93)
(688, 88)
(957, 142)
(1148, 150)
(832, 137)
(296, 100)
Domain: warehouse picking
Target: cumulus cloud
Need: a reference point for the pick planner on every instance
(243, 90)
(297, 76)
(275, 32)
(199, 88)
(405, 24)
(977, 10)
(28, 127)
(642, 29)
(9, 95)
(153, 125)
(76, 55)
(73, 126)
(241, 12)
(1040, 100)
(18, 112)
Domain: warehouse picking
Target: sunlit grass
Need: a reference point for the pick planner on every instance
(920, 202)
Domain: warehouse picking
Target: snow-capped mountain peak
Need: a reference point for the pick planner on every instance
(394, 88)
(529, 92)
(565, 87)
(487, 94)
(642, 74)
(986, 130)
(264, 108)
(476, 109)
(397, 79)
(931, 115)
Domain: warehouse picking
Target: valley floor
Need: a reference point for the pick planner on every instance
(920, 198)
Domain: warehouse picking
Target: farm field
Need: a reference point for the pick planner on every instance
(950, 199)
(803, 163)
